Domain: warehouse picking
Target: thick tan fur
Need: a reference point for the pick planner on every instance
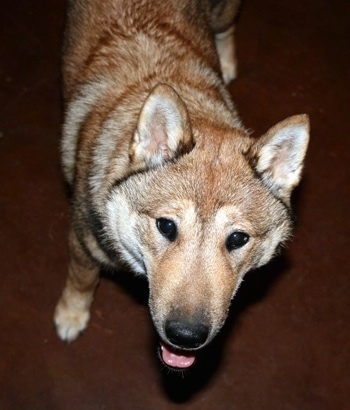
(151, 135)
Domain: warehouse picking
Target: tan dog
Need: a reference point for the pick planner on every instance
(164, 176)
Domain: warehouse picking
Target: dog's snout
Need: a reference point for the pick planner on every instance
(186, 335)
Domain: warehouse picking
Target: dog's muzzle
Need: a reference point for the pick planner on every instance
(183, 339)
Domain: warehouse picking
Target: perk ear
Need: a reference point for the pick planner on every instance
(163, 131)
(278, 156)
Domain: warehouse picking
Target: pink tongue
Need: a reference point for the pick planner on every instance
(174, 359)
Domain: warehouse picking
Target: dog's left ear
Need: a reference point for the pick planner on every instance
(278, 156)
(163, 131)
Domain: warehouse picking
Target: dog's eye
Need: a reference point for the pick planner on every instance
(167, 228)
(236, 240)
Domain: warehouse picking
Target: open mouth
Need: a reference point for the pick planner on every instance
(176, 359)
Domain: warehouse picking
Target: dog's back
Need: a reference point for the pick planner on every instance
(120, 36)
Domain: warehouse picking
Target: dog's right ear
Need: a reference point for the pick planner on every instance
(163, 131)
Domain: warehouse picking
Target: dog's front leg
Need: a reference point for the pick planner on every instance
(73, 309)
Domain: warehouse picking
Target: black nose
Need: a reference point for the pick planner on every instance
(186, 335)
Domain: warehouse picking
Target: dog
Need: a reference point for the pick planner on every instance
(163, 175)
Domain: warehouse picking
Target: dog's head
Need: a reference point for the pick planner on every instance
(201, 207)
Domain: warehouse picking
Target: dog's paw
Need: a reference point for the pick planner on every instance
(229, 71)
(70, 322)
